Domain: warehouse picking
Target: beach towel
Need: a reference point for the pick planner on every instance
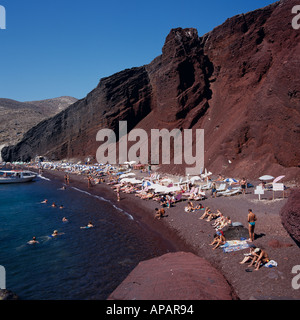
(235, 245)
(270, 264)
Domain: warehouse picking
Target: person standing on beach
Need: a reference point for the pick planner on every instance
(251, 220)
(214, 190)
(118, 193)
(89, 181)
(243, 184)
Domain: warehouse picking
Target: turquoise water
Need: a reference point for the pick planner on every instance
(78, 264)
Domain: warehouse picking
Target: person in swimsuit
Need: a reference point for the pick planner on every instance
(219, 239)
(251, 220)
(262, 259)
(243, 184)
(159, 213)
(33, 241)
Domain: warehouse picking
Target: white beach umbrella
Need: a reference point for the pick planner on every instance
(135, 181)
(130, 174)
(278, 178)
(174, 189)
(160, 188)
(124, 175)
(266, 177)
(154, 186)
(126, 180)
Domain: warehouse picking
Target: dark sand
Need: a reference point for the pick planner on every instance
(182, 231)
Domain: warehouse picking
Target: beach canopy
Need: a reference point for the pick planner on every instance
(230, 180)
(125, 175)
(146, 183)
(161, 189)
(174, 189)
(278, 178)
(266, 177)
(131, 180)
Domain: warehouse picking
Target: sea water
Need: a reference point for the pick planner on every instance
(77, 264)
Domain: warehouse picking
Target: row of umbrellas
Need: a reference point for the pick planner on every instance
(268, 177)
(157, 188)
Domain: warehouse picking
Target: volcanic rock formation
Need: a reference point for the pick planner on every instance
(238, 82)
(290, 215)
(18, 117)
(174, 276)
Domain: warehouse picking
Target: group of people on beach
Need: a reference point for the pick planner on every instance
(219, 221)
(256, 256)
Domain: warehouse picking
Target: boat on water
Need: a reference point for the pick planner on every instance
(16, 176)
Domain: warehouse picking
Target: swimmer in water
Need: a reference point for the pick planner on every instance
(45, 201)
(53, 205)
(55, 233)
(33, 241)
(89, 225)
(61, 206)
(64, 219)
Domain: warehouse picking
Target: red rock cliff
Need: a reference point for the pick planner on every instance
(238, 82)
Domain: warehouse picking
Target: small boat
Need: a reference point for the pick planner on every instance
(16, 176)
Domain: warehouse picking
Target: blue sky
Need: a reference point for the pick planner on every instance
(55, 48)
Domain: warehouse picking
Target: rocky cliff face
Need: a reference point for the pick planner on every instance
(18, 117)
(238, 83)
(290, 215)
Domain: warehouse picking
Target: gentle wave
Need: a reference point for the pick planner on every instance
(41, 177)
(106, 200)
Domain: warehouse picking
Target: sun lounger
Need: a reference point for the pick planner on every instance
(229, 192)
(187, 194)
(207, 186)
(233, 192)
(178, 198)
(221, 188)
(200, 195)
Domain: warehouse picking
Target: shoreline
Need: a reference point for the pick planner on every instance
(182, 231)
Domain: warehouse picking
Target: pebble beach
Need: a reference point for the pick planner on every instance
(187, 232)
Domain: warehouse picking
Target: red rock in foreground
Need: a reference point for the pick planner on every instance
(174, 276)
(290, 215)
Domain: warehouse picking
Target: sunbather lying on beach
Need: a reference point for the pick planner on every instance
(212, 215)
(225, 222)
(218, 240)
(206, 213)
(147, 196)
(219, 221)
(190, 207)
